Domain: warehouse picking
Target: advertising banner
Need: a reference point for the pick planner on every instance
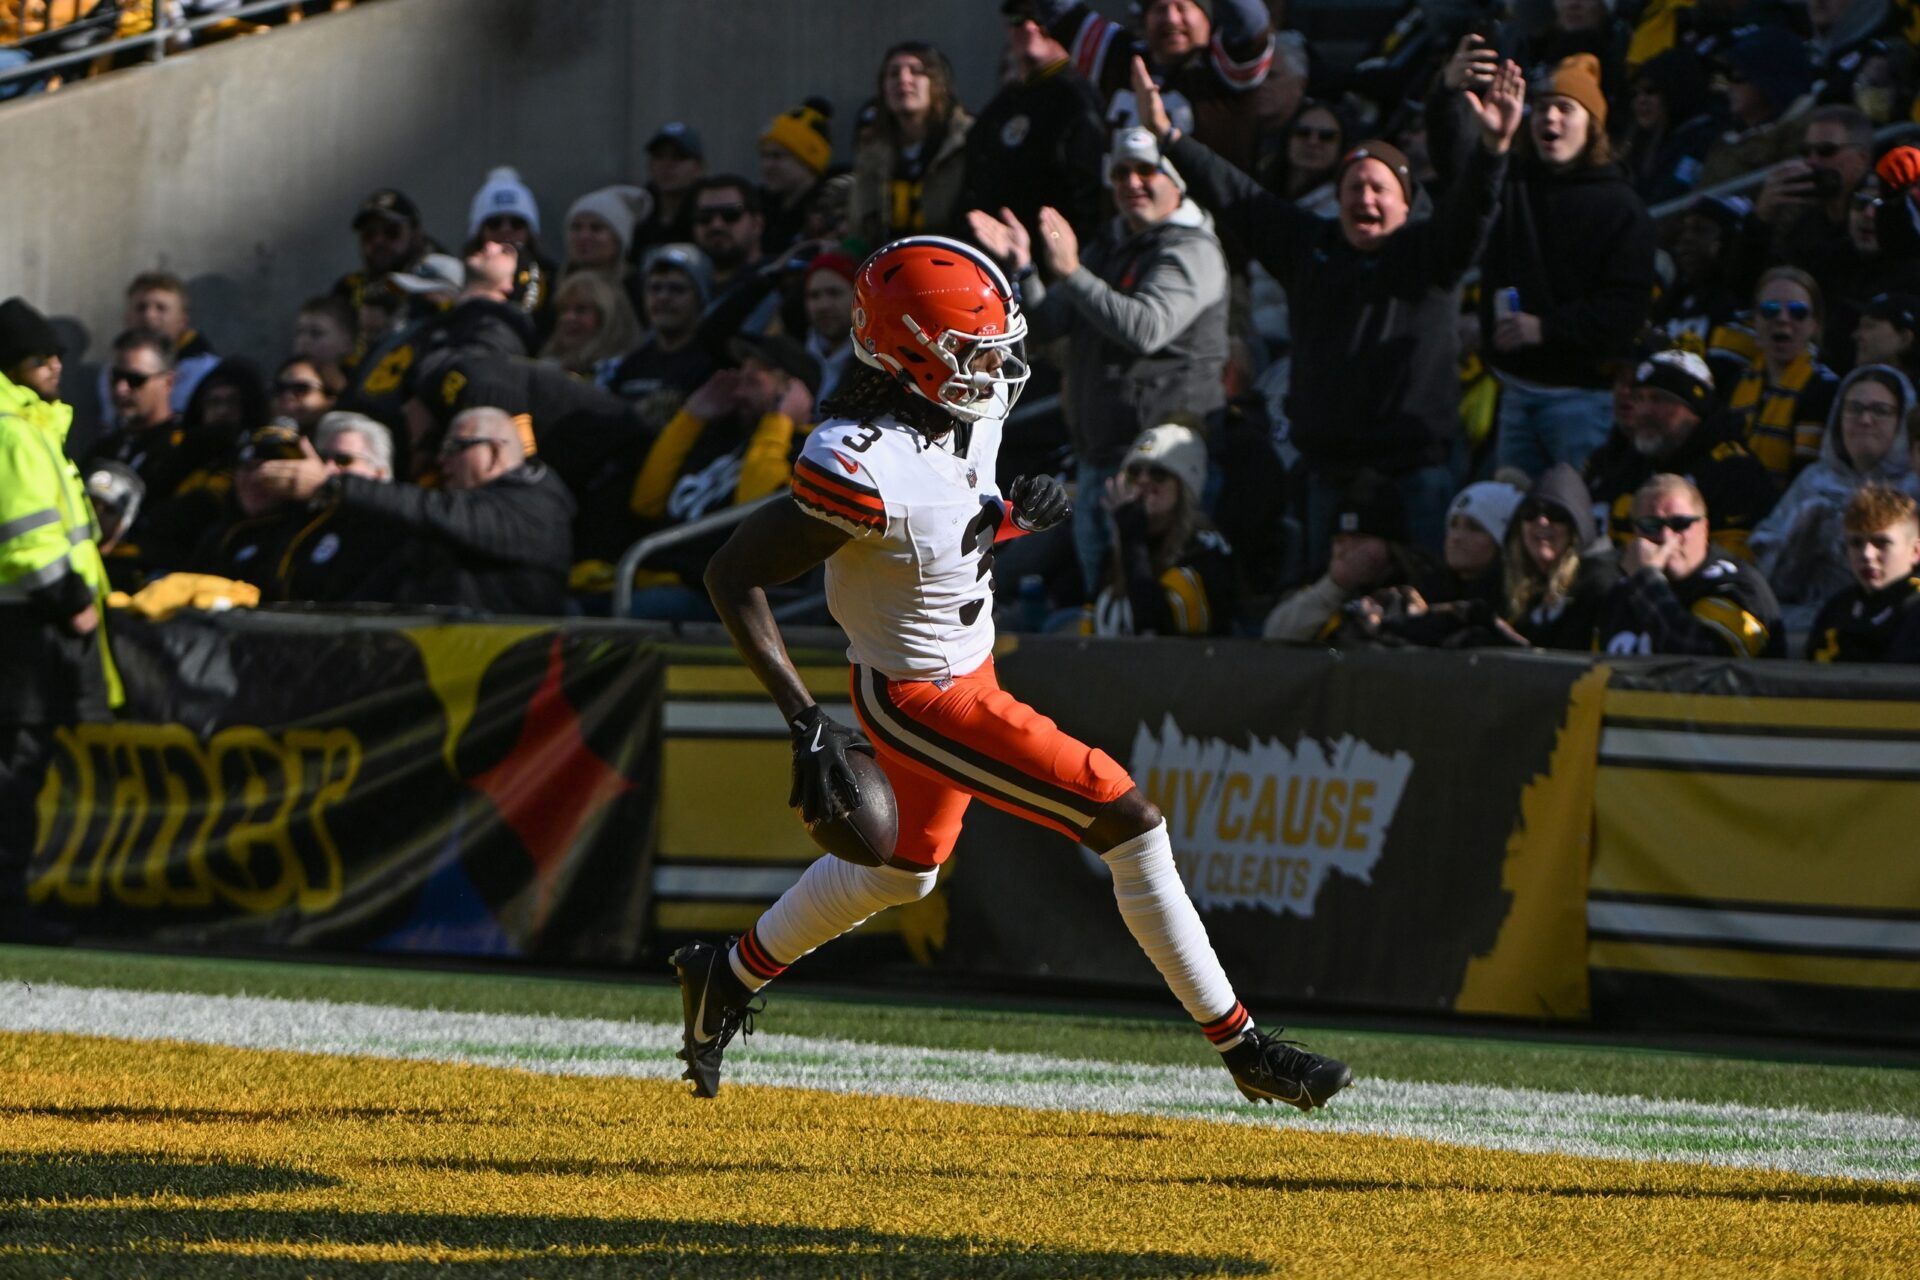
(1393, 830)
(367, 784)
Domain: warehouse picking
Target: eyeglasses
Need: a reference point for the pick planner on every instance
(1654, 526)
(1866, 200)
(727, 213)
(1822, 150)
(1309, 133)
(1772, 309)
(132, 377)
(296, 387)
(460, 444)
(1869, 409)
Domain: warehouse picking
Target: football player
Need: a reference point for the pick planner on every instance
(895, 491)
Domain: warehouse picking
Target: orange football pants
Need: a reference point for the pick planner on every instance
(942, 744)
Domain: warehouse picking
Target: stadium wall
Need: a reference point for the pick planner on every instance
(239, 165)
(1676, 843)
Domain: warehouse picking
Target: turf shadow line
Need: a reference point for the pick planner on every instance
(107, 1113)
(30, 1177)
(1835, 1195)
(591, 1168)
(707, 1249)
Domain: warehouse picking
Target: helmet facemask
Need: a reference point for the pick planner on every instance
(969, 393)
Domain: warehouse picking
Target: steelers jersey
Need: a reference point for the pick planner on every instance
(913, 588)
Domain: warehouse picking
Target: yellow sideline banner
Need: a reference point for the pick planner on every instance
(1757, 848)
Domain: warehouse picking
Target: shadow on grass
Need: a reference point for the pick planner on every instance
(110, 1113)
(1873, 1195)
(166, 1242)
(27, 1177)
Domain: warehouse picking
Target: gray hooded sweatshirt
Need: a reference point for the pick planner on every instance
(1800, 546)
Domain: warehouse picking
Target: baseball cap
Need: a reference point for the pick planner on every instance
(1174, 448)
(437, 273)
(390, 204)
(782, 353)
(1681, 374)
(1139, 146)
(275, 442)
(1372, 507)
(1901, 310)
(680, 135)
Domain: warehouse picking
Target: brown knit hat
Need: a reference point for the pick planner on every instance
(1578, 77)
(1387, 154)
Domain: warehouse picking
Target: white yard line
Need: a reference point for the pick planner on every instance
(1830, 1144)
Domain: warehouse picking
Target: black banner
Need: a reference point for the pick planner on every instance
(1392, 830)
(375, 784)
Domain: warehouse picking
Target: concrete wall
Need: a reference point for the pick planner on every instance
(239, 165)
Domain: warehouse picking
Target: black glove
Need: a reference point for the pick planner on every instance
(823, 783)
(1038, 502)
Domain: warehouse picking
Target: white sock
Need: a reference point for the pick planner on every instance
(831, 897)
(1163, 921)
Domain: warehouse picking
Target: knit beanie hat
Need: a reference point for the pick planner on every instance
(1387, 154)
(686, 259)
(503, 193)
(841, 264)
(1681, 374)
(24, 332)
(1489, 504)
(1774, 61)
(1371, 506)
(620, 207)
(1173, 448)
(1577, 76)
(806, 132)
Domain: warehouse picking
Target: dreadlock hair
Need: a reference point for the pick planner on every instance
(866, 393)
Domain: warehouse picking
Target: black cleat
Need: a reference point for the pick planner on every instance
(709, 1023)
(1278, 1070)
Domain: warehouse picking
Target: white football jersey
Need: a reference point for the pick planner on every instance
(912, 589)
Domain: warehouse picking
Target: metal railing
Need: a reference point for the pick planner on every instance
(1748, 181)
(636, 555)
(164, 31)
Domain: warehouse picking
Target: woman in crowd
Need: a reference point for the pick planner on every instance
(909, 177)
(1673, 125)
(600, 229)
(304, 390)
(1558, 573)
(1781, 401)
(1801, 546)
(1303, 172)
(1170, 573)
(596, 326)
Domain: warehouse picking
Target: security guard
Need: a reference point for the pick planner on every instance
(53, 645)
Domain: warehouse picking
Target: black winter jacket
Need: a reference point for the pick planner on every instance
(503, 548)
(1374, 373)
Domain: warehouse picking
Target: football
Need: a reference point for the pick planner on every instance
(865, 834)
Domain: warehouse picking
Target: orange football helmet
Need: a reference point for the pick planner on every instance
(927, 310)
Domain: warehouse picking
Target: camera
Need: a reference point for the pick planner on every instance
(1826, 183)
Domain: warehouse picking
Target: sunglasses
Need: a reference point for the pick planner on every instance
(1145, 471)
(132, 377)
(727, 213)
(296, 387)
(1653, 526)
(503, 222)
(1821, 150)
(1794, 310)
(1531, 511)
(1866, 200)
(1316, 135)
(345, 459)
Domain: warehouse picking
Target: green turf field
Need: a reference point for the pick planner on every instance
(174, 1116)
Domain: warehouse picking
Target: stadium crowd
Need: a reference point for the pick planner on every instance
(1352, 355)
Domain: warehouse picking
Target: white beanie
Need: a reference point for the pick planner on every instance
(1489, 504)
(1175, 448)
(620, 207)
(503, 192)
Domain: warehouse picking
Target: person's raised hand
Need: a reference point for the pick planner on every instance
(716, 396)
(1788, 183)
(1474, 64)
(1899, 168)
(1003, 237)
(1499, 105)
(1058, 243)
(1147, 104)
